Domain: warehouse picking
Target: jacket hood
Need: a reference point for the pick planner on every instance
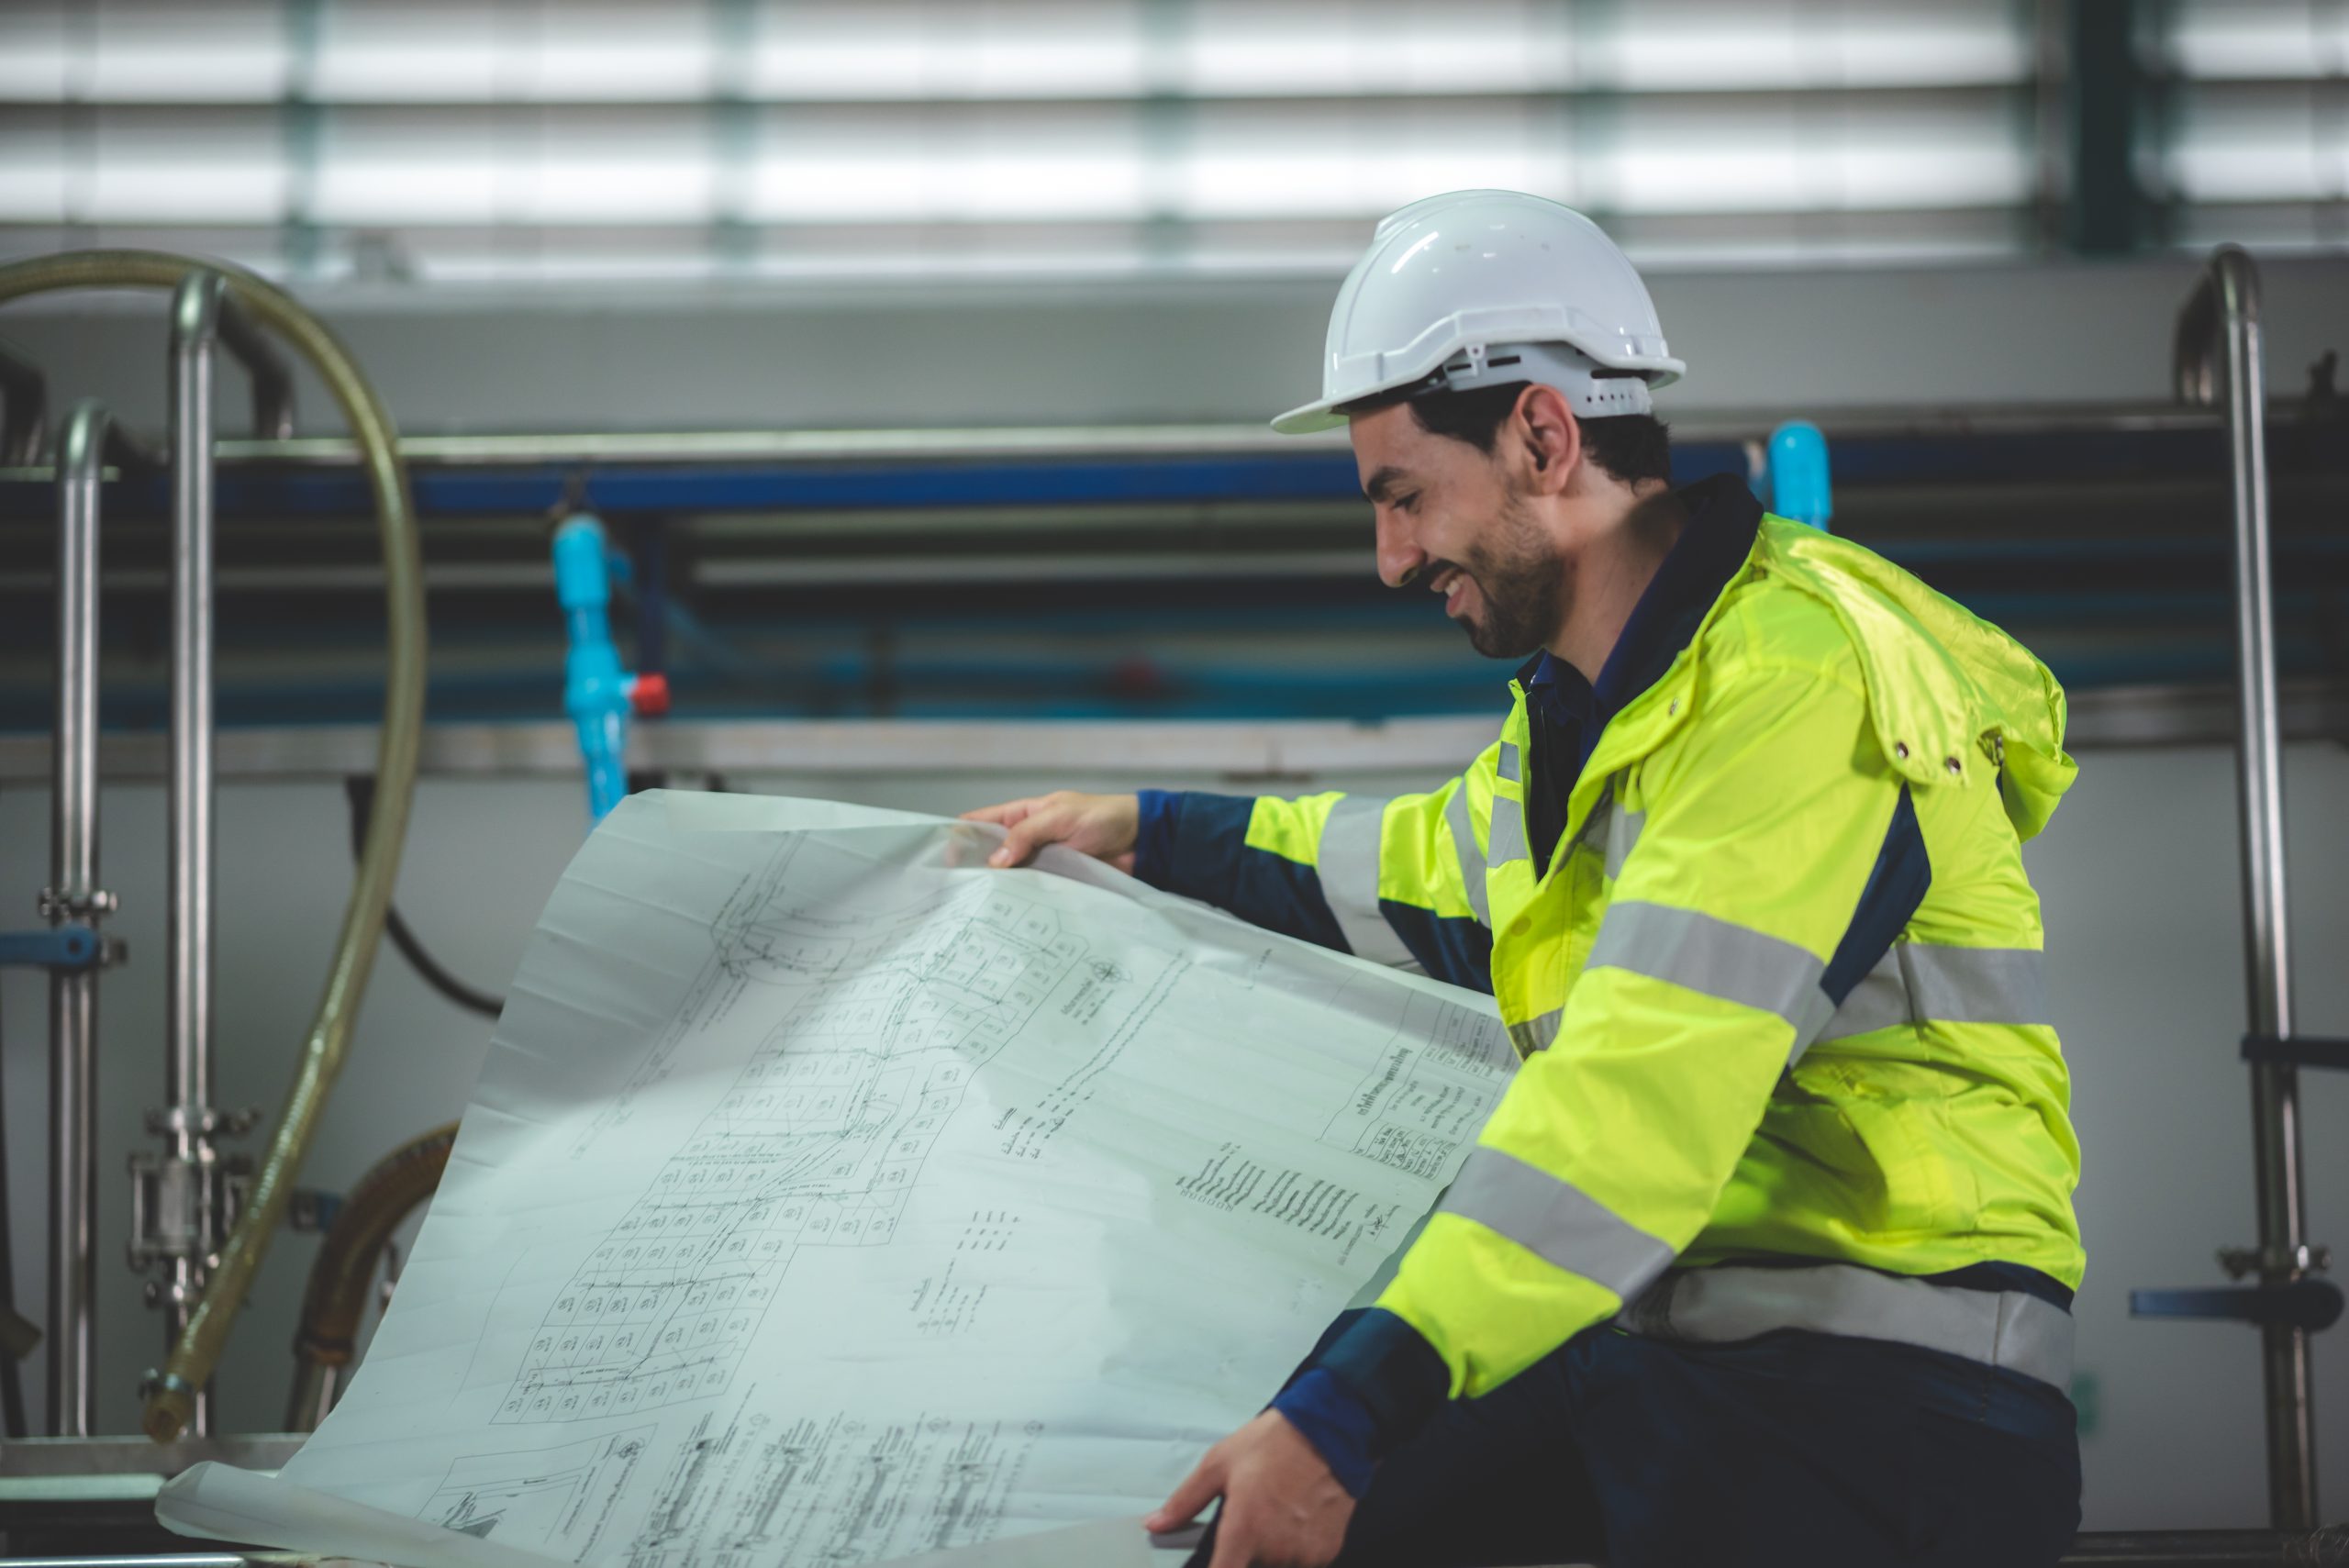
(1947, 690)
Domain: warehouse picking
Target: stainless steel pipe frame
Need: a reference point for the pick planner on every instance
(192, 1227)
(170, 1396)
(182, 1198)
(2218, 358)
(74, 895)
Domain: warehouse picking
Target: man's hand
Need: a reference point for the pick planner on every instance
(1282, 1508)
(1102, 826)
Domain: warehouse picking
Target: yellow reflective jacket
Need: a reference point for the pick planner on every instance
(1715, 1075)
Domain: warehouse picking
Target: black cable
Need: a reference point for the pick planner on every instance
(361, 790)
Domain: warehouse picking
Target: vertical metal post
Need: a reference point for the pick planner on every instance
(188, 1121)
(2219, 355)
(74, 893)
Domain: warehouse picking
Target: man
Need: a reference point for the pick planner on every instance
(1766, 1254)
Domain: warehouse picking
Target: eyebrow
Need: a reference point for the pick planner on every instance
(1381, 483)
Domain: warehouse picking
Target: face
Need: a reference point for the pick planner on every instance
(1447, 518)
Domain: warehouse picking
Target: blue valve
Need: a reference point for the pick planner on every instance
(597, 693)
(1799, 488)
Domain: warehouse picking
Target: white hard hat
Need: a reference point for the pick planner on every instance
(1487, 287)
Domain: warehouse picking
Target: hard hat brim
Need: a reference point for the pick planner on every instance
(1658, 369)
(1313, 418)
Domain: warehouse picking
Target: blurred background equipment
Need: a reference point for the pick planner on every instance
(434, 140)
(597, 693)
(912, 360)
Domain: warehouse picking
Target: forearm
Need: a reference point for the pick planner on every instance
(1384, 879)
(1227, 850)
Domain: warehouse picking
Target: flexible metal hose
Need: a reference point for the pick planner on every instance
(340, 1278)
(190, 1366)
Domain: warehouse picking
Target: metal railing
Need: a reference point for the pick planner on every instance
(2218, 361)
(74, 895)
(184, 1197)
(180, 1199)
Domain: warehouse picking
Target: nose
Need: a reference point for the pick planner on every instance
(1399, 557)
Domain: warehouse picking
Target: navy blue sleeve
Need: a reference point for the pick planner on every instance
(1391, 1377)
(1450, 947)
(1158, 810)
(1195, 844)
(1326, 1413)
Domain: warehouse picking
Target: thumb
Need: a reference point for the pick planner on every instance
(1021, 840)
(1200, 1489)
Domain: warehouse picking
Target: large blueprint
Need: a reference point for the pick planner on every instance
(828, 1198)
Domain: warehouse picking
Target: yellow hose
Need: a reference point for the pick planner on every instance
(169, 1402)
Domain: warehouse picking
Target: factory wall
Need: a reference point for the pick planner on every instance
(774, 354)
(2138, 875)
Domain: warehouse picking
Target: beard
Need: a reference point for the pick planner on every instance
(1522, 577)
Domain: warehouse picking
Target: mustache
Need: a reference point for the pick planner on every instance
(1433, 569)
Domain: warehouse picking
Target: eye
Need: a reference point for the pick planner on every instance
(1406, 503)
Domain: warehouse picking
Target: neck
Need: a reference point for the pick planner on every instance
(1611, 571)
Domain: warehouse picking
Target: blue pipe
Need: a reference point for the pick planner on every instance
(597, 693)
(1799, 488)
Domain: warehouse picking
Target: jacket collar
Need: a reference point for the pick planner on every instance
(1722, 517)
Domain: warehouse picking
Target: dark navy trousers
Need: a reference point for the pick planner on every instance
(1792, 1449)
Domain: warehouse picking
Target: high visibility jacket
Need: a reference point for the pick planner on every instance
(1721, 1068)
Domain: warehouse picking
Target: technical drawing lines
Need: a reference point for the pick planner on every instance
(815, 1142)
(540, 1498)
(762, 1489)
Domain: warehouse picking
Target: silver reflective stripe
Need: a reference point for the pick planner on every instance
(1463, 843)
(1507, 767)
(1348, 864)
(1622, 832)
(1923, 983)
(1505, 834)
(1556, 1221)
(1596, 826)
(1536, 1034)
(1716, 958)
(2007, 1328)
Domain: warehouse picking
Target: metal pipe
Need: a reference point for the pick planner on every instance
(621, 448)
(74, 893)
(196, 320)
(193, 1359)
(2218, 355)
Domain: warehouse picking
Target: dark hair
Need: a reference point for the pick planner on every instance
(1631, 447)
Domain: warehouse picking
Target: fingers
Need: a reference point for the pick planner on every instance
(1027, 836)
(1003, 816)
(1015, 849)
(1045, 821)
(1085, 822)
(1187, 1502)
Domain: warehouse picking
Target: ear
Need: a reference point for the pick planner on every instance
(1545, 441)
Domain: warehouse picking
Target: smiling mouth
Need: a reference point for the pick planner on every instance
(1449, 583)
